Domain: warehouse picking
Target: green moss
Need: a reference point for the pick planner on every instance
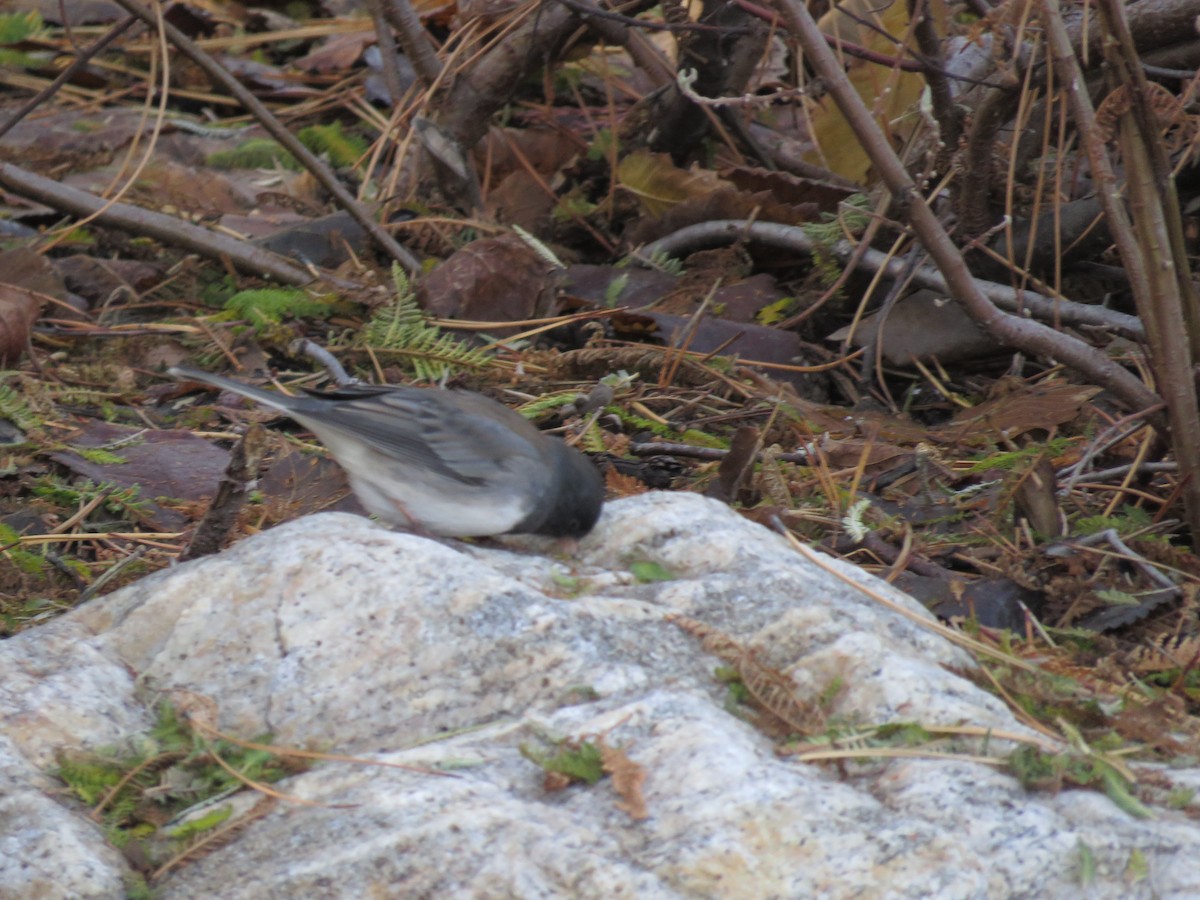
(578, 762)
(256, 153)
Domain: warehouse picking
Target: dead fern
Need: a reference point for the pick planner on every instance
(213, 839)
(772, 692)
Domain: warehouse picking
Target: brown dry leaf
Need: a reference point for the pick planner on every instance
(1036, 407)
(297, 484)
(737, 466)
(659, 184)
(494, 280)
(178, 189)
(19, 309)
(848, 454)
(519, 199)
(337, 53)
(922, 326)
(1037, 500)
(627, 778)
(169, 463)
(28, 279)
(786, 187)
(508, 150)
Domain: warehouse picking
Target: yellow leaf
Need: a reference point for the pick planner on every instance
(659, 184)
(890, 95)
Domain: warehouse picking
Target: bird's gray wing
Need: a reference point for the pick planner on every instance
(462, 436)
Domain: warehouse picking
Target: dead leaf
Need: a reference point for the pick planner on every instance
(1037, 407)
(26, 280)
(493, 280)
(1037, 500)
(787, 188)
(922, 326)
(172, 464)
(508, 150)
(336, 53)
(659, 184)
(19, 309)
(734, 470)
(892, 96)
(627, 777)
(519, 199)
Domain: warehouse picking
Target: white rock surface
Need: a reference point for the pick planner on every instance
(332, 632)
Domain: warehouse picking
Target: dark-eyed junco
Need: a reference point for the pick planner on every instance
(452, 463)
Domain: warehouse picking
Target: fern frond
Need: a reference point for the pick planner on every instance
(401, 332)
(14, 408)
(663, 262)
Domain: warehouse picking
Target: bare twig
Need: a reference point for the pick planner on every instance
(239, 479)
(791, 237)
(67, 74)
(413, 39)
(168, 229)
(267, 119)
(386, 43)
(1022, 334)
(1150, 253)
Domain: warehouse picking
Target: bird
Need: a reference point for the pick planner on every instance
(450, 463)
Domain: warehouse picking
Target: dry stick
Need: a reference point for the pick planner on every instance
(386, 43)
(485, 82)
(946, 113)
(1024, 335)
(135, 160)
(167, 229)
(791, 237)
(1027, 336)
(1155, 265)
(413, 39)
(80, 61)
(303, 155)
(645, 55)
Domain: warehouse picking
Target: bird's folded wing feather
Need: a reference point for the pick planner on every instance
(457, 435)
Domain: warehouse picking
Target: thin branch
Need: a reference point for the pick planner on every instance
(1025, 335)
(169, 230)
(385, 42)
(791, 237)
(67, 74)
(413, 38)
(266, 118)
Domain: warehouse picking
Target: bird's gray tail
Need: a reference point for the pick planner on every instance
(272, 399)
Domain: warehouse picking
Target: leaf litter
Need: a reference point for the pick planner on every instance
(973, 477)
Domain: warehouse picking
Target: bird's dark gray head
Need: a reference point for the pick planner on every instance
(576, 495)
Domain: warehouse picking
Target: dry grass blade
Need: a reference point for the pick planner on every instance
(311, 754)
(955, 637)
(133, 773)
